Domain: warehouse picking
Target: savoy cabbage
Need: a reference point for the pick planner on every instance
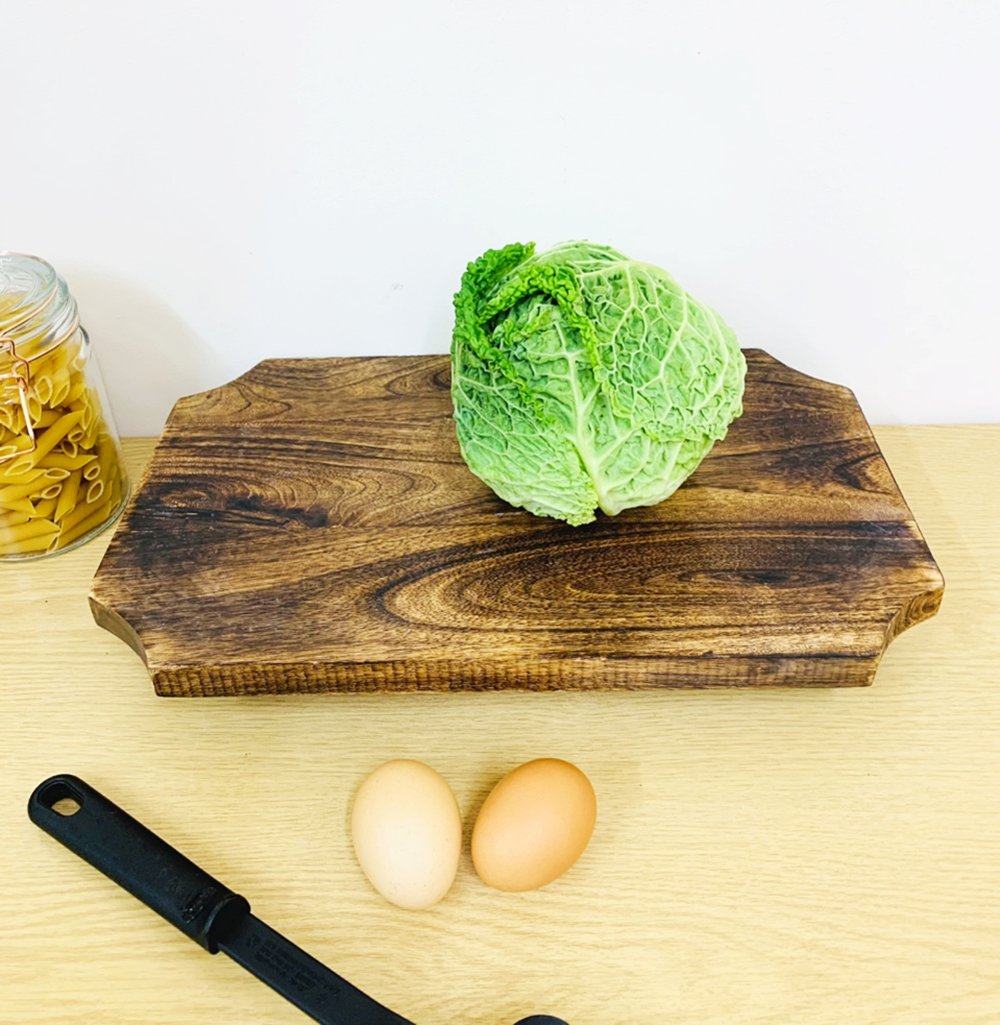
(582, 379)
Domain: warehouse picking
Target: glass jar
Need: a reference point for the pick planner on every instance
(61, 473)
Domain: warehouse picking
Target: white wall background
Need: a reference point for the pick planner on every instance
(223, 182)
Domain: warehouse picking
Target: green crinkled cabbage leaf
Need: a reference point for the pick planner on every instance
(582, 379)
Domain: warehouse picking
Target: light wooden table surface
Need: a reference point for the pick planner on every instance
(766, 857)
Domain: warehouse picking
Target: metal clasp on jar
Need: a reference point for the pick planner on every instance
(20, 375)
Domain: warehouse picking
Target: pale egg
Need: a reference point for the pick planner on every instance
(407, 833)
(534, 825)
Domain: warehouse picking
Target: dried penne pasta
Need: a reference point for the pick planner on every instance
(41, 543)
(96, 518)
(14, 416)
(60, 393)
(43, 391)
(20, 463)
(7, 477)
(33, 528)
(87, 420)
(105, 457)
(51, 436)
(34, 408)
(82, 511)
(76, 389)
(60, 465)
(19, 439)
(12, 520)
(45, 509)
(58, 459)
(14, 491)
(61, 381)
(67, 497)
(18, 505)
(46, 417)
(62, 358)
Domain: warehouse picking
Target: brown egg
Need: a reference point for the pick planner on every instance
(534, 825)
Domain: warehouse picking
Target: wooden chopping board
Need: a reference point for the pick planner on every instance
(311, 527)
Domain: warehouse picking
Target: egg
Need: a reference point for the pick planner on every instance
(534, 825)
(407, 833)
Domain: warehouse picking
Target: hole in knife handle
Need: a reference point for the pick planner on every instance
(61, 798)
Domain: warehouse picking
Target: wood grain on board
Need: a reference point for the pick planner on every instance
(311, 526)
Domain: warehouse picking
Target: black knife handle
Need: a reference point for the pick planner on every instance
(135, 858)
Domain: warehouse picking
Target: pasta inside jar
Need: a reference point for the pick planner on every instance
(61, 475)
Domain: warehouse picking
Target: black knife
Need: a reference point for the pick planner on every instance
(204, 909)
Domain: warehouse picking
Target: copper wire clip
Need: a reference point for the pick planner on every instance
(21, 375)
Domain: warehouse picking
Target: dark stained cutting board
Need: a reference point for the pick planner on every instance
(312, 527)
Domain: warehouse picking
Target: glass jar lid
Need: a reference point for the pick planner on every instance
(37, 311)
